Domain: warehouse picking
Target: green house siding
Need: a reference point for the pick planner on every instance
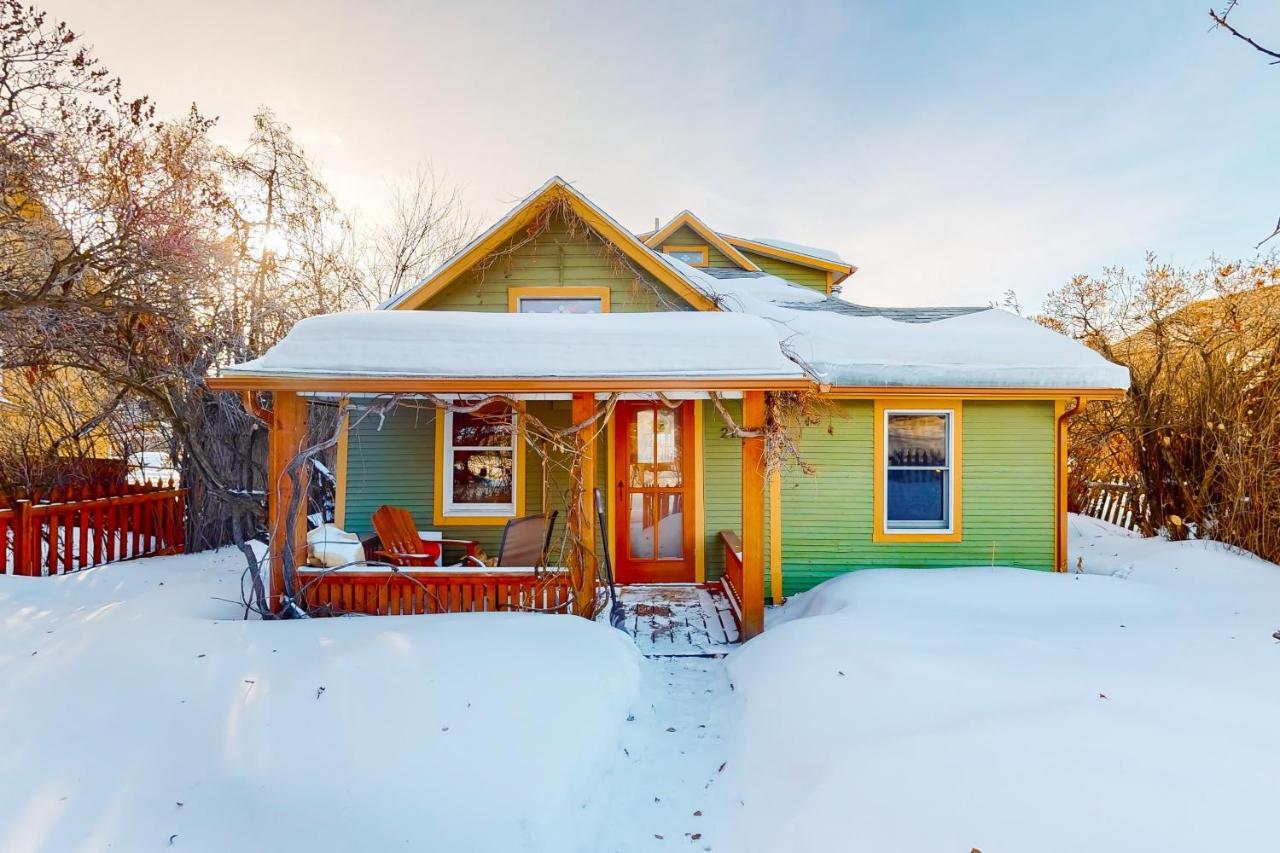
(557, 258)
(1007, 484)
(396, 465)
(807, 276)
(686, 236)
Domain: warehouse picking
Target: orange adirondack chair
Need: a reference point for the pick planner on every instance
(401, 544)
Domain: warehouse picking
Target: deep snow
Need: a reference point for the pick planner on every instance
(137, 707)
(1131, 707)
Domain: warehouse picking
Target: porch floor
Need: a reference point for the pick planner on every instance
(678, 620)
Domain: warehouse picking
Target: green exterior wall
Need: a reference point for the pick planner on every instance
(1007, 485)
(557, 258)
(806, 276)
(397, 465)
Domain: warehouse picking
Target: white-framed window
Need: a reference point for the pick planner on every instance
(560, 305)
(480, 476)
(919, 470)
(694, 256)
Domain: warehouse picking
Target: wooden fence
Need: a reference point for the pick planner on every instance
(1122, 504)
(67, 530)
(406, 593)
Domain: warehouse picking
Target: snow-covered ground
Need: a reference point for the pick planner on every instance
(140, 713)
(1132, 707)
(1135, 707)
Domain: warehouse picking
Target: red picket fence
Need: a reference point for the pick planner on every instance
(70, 529)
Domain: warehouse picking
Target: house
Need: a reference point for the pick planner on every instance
(925, 437)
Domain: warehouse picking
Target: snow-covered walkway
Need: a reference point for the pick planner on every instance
(666, 792)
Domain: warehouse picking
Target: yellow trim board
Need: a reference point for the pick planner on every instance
(775, 536)
(521, 217)
(515, 294)
(697, 226)
(840, 268)
(669, 249)
(699, 498)
(871, 392)
(340, 467)
(518, 466)
(879, 533)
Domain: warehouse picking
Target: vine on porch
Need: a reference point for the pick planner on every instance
(561, 460)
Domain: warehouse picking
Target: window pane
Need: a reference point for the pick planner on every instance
(917, 440)
(560, 306)
(485, 428)
(640, 450)
(693, 259)
(482, 477)
(916, 497)
(670, 525)
(640, 517)
(668, 464)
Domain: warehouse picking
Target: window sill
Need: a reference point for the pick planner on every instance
(890, 536)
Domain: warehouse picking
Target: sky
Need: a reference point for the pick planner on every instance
(952, 151)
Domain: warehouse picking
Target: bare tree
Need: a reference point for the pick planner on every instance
(1220, 22)
(428, 224)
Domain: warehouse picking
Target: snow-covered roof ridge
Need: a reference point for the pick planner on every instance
(801, 249)
(485, 345)
(966, 348)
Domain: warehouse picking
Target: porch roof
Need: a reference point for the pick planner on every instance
(461, 351)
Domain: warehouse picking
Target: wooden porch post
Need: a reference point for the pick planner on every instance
(582, 516)
(753, 488)
(288, 534)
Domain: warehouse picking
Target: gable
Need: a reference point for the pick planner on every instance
(556, 202)
(561, 260)
(688, 233)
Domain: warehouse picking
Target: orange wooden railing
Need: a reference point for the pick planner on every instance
(384, 593)
(732, 580)
(67, 530)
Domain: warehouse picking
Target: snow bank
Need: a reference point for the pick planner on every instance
(138, 707)
(1009, 710)
(986, 349)
(463, 344)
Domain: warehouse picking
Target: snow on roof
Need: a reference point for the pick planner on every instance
(467, 345)
(981, 349)
(811, 251)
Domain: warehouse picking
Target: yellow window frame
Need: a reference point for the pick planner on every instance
(668, 248)
(880, 531)
(515, 294)
(439, 518)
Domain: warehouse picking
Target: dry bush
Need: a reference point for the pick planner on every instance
(1199, 430)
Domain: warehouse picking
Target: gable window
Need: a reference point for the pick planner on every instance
(479, 464)
(918, 478)
(694, 256)
(558, 300)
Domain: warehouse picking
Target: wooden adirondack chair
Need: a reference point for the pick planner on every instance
(401, 544)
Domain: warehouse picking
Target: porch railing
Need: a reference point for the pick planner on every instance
(732, 580)
(73, 529)
(384, 593)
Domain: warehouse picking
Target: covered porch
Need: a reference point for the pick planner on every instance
(632, 423)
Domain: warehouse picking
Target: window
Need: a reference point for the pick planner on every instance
(917, 492)
(694, 256)
(558, 300)
(479, 465)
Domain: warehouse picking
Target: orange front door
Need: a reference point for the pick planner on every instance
(654, 491)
